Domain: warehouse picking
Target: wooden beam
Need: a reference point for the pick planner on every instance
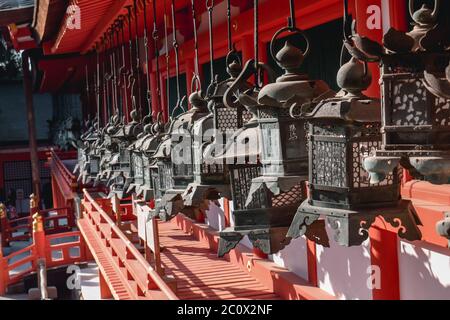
(104, 24)
(28, 88)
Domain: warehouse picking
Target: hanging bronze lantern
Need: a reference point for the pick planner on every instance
(122, 175)
(211, 178)
(88, 159)
(143, 151)
(274, 196)
(416, 97)
(343, 131)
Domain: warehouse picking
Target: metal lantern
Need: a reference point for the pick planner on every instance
(175, 162)
(121, 174)
(141, 159)
(211, 176)
(415, 98)
(106, 150)
(274, 196)
(88, 158)
(161, 175)
(343, 131)
(241, 156)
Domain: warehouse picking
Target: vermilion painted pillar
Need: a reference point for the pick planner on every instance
(3, 270)
(248, 51)
(28, 88)
(155, 95)
(190, 69)
(312, 262)
(39, 236)
(369, 23)
(384, 259)
(3, 227)
(164, 106)
(226, 212)
(384, 243)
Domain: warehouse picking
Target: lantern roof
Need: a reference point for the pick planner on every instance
(347, 108)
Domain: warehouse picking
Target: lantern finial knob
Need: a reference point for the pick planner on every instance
(234, 69)
(354, 77)
(197, 101)
(290, 58)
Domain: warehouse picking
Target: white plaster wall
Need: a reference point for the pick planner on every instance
(294, 258)
(343, 272)
(424, 271)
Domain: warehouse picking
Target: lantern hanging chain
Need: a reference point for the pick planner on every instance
(97, 87)
(137, 97)
(175, 47)
(109, 76)
(230, 36)
(210, 8)
(116, 58)
(130, 46)
(347, 19)
(194, 19)
(256, 40)
(149, 97)
(87, 83)
(111, 64)
(292, 23)
(122, 72)
(105, 77)
(155, 43)
(118, 68)
(166, 42)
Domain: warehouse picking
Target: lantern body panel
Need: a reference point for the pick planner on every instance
(337, 176)
(415, 120)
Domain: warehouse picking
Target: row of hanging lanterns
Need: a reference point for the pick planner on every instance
(300, 155)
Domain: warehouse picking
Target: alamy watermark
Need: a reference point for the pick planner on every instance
(73, 17)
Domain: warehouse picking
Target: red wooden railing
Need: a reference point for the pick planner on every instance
(58, 250)
(61, 222)
(64, 183)
(125, 254)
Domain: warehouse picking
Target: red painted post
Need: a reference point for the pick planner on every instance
(154, 94)
(384, 257)
(164, 106)
(2, 274)
(39, 236)
(189, 67)
(257, 252)
(384, 243)
(398, 14)
(105, 292)
(226, 212)
(312, 262)
(4, 226)
(369, 23)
